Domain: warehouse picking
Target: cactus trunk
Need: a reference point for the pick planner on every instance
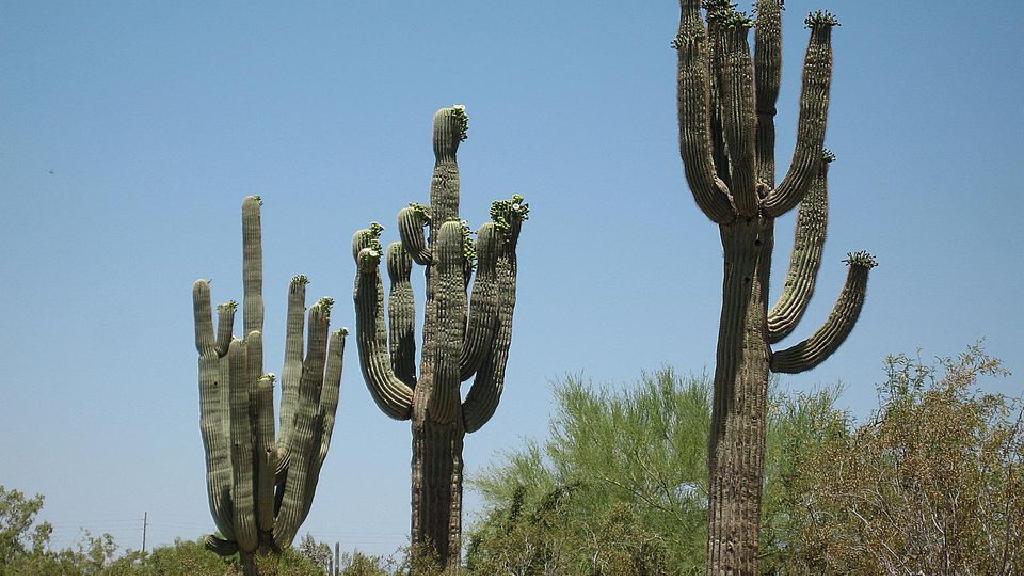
(437, 489)
(736, 441)
(463, 337)
(726, 104)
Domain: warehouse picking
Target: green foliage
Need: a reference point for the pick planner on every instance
(620, 486)
(19, 533)
(25, 551)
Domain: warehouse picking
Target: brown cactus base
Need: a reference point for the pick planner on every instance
(437, 493)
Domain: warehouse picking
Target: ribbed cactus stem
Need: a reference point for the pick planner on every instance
(813, 120)
(293, 346)
(483, 397)
(768, 67)
(225, 325)
(441, 396)
(260, 490)
(693, 100)
(726, 104)
(805, 260)
(411, 221)
(391, 394)
(300, 449)
(214, 414)
(462, 336)
(483, 304)
(401, 315)
(252, 256)
(450, 126)
(738, 118)
(242, 461)
(266, 454)
(827, 339)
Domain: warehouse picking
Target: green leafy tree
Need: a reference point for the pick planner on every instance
(620, 474)
(19, 533)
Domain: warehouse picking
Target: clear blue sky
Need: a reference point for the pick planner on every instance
(130, 131)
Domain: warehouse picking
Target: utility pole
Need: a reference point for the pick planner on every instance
(337, 558)
(145, 522)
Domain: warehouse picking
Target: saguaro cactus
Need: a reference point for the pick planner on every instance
(726, 102)
(260, 489)
(457, 344)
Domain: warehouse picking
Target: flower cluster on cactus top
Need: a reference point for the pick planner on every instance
(821, 18)
(373, 240)
(505, 212)
(468, 245)
(861, 258)
(459, 113)
(325, 304)
(422, 210)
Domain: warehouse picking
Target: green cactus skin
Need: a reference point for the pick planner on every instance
(726, 104)
(463, 337)
(260, 488)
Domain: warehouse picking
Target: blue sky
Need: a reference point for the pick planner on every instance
(129, 133)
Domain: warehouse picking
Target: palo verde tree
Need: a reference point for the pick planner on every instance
(260, 489)
(726, 103)
(457, 344)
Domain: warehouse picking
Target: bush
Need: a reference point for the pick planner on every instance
(931, 484)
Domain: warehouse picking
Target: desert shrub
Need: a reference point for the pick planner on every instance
(931, 484)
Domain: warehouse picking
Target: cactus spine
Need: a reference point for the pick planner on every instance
(260, 489)
(462, 337)
(726, 103)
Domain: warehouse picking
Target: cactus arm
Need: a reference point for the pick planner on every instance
(482, 399)
(719, 155)
(290, 516)
(241, 433)
(203, 318)
(401, 315)
(391, 395)
(225, 325)
(814, 101)
(266, 455)
(768, 78)
(326, 411)
(330, 394)
(443, 398)
(220, 546)
(411, 221)
(736, 90)
(483, 303)
(693, 103)
(368, 237)
(252, 265)
(295, 323)
(827, 339)
(484, 394)
(213, 412)
(805, 260)
(313, 464)
(450, 128)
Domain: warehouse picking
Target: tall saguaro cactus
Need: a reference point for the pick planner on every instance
(726, 102)
(260, 489)
(462, 337)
